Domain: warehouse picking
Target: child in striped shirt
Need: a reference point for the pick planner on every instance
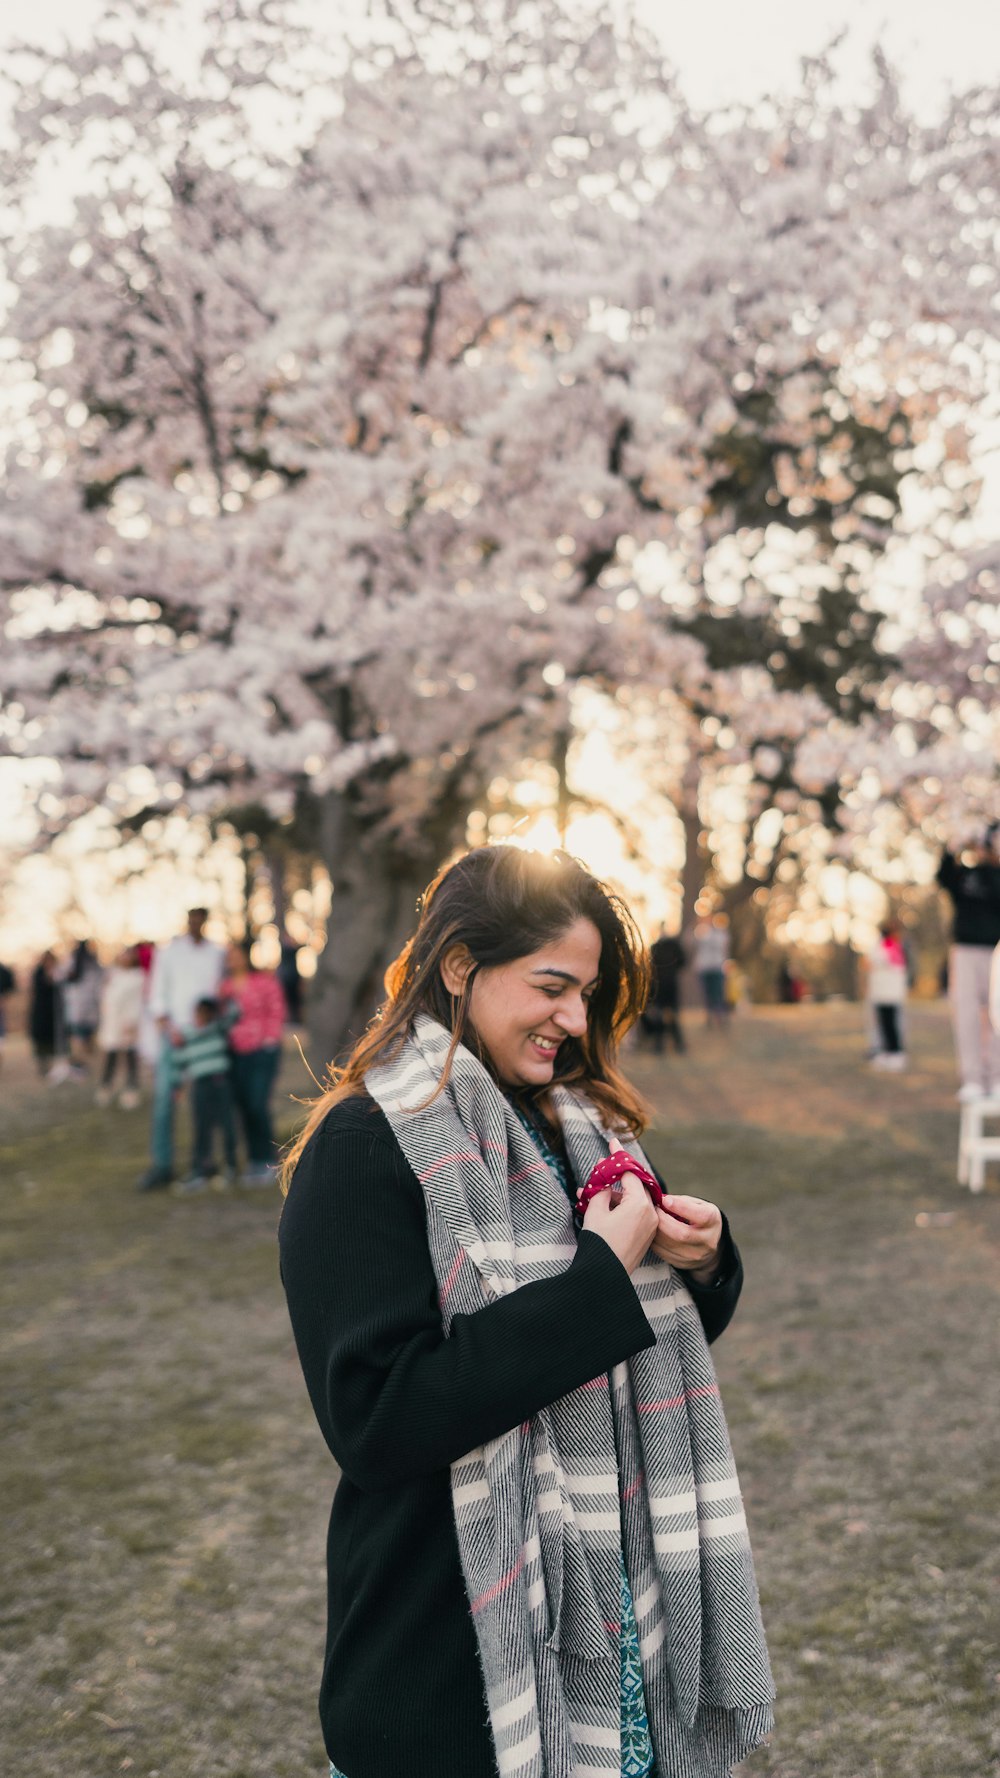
(203, 1059)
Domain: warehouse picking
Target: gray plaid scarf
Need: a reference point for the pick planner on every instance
(640, 1462)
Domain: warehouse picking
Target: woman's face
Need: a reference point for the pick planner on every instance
(236, 962)
(523, 1011)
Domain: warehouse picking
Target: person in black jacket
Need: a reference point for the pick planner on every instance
(974, 888)
(43, 1010)
(522, 977)
(8, 984)
(661, 1016)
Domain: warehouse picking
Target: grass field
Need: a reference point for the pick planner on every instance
(165, 1491)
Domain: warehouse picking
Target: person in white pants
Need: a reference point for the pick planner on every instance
(974, 888)
(887, 997)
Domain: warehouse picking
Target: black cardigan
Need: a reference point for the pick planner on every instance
(402, 1693)
(975, 891)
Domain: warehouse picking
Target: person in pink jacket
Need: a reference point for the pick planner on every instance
(887, 997)
(255, 1042)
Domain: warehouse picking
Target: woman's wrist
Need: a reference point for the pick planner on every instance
(721, 1267)
(707, 1273)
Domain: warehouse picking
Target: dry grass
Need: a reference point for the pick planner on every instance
(165, 1491)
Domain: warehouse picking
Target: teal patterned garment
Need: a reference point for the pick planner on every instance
(637, 1749)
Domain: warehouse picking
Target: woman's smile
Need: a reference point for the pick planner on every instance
(555, 982)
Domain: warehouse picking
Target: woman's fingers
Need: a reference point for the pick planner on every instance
(696, 1211)
(628, 1226)
(616, 1148)
(688, 1245)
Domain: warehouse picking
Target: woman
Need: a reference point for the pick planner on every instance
(255, 1043)
(533, 1566)
(8, 984)
(661, 1017)
(886, 997)
(118, 1031)
(82, 1002)
(43, 1010)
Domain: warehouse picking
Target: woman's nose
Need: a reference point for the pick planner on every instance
(572, 1018)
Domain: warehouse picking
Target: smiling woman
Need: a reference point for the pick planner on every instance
(538, 1501)
(523, 1012)
(508, 945)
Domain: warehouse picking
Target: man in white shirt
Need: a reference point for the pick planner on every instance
(188, 969)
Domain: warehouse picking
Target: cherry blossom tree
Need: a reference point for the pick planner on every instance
(374, 394)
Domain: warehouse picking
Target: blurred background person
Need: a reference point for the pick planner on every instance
(203, 1058)
(118, 1031)
(7, 986)
(43, 1010)
(734, 987)
(791, 987)
(711, 954)
(186, 970)
(81, 1005)
(255, 1042)
(973, 883)
(662, 1015)
(149, 1036)
(887, 997)
(289, 977)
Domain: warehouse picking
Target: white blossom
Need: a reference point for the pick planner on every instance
(331, 456)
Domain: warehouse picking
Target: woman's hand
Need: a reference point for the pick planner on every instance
(688, 1234)
(625, 1219)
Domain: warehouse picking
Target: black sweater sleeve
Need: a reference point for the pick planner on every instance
(716, 1302)
(395, 1399)
(949, 873)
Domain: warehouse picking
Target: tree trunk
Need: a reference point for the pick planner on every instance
(376, 887)
(843, 974)
(249, 859)
(275, 864)
(560, 759)
(693, 875)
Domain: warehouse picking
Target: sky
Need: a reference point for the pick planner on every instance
(728, 50)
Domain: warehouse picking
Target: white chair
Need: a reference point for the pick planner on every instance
(975, 1147)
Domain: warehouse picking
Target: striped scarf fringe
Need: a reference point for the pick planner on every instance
(640, 1462)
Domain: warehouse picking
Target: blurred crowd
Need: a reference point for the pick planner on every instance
(194, 1018)
(188, 1018)
(970, 975)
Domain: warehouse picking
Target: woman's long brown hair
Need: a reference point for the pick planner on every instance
(501, 903)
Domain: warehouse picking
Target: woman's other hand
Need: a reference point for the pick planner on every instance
(625, 1219)
(688, 1234)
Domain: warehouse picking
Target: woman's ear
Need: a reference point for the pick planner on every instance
(456, 966)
